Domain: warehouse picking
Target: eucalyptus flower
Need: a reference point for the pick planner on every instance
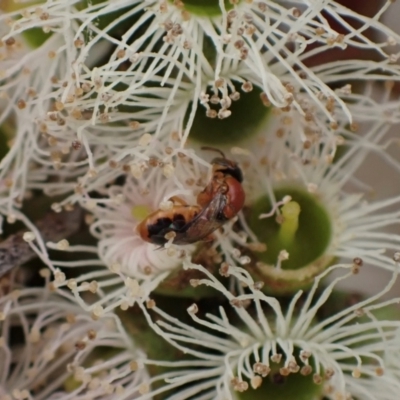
(256, 347)
(155, 48)
(305, 206)
(106, 107)
(117, 220)
(128, 267)
(26, 88)
(162, 61)
(52, 349)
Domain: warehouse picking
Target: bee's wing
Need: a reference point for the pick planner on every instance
(207, 221)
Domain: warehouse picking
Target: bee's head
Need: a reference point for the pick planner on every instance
(228, 167)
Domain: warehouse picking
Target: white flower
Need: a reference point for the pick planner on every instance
(92, 114)
(293, 157)
(118, 215)
(97, 141)
(170, 55)
(60, 353)
(266, 341)
(128, 267)
(103, 112)
(26, 81)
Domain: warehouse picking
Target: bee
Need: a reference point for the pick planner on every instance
(226, 179)
(156, 227)
(218, 202)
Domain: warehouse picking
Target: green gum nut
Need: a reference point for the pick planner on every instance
(208, 8)
(300, 237)
(248, 115)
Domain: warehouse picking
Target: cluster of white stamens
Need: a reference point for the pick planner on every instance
(99, 107)
(342, 352)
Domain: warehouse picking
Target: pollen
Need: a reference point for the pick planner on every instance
(239, 385)
(34, 335)
(244, 260)
(329, 372)
(71, 318)
(98, 310)
(132, 284)
(317, 379)
(136, 171)
(62, 244)
(224, 269)
(144, 388)
(284, 371)
(261, 369)
(133, 366)
(193, 309)
(93, 286)
(211, 113)
(276, 358)
(21, 104)
(145, 139)
(59, 277)
(29, 237)
(223, 113)
(247, 87)
(306, 370)
(80, 345)
(115, 267)
(283, 255)
(356, 373)
(256, 382)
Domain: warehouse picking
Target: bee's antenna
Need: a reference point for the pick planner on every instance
(213, 149)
